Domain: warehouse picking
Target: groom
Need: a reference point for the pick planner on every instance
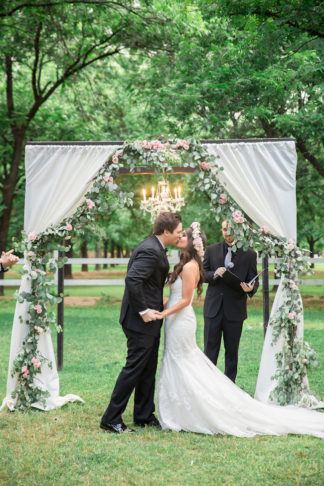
(143, 297)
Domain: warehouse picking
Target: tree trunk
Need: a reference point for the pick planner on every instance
(105, 253)
(119, 252)
(311, 241)
(8, 190)
(98, 255)
(84, 254)
(316, 163)
(112, 251)
(68, 267)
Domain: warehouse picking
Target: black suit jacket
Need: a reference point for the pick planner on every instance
(218, 292)
(2, 269)
(146, 275)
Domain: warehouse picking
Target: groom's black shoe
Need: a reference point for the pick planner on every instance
(153, 422)
(116, 428)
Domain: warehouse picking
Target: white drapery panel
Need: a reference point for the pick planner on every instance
(260, 176)
(57, 178)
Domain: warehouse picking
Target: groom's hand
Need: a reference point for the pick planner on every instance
(150, 315)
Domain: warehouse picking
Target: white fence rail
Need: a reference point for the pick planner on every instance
(8, 282)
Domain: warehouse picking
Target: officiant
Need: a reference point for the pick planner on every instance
(225, 306)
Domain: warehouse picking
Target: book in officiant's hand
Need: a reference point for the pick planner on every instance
(234, 281)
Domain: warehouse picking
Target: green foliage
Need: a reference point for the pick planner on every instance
(65, 446)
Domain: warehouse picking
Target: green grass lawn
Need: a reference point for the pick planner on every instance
(66, 447)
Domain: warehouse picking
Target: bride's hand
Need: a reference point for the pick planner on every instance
(160, 315)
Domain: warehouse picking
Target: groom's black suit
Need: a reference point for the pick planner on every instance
(146, 274)
(225, 308)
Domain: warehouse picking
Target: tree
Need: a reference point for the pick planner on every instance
(44, 46)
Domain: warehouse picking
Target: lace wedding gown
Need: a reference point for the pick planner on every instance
(194, 395)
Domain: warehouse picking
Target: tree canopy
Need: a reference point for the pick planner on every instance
(105, 70)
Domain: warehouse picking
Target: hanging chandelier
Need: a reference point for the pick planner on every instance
(162, 200)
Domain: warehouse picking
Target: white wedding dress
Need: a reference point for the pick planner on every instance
(194, 395)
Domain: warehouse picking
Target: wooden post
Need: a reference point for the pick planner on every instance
(265, 292)
(60, 315)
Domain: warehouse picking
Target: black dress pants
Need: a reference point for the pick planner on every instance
(214, 328)
(139, 374)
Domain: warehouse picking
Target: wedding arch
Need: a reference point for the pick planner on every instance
(68, 184)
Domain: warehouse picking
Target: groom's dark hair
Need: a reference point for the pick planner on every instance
(166, 221)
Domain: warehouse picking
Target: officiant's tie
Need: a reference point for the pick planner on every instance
(228, 257)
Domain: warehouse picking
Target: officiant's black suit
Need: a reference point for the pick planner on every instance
(146, 274)
(225, 308)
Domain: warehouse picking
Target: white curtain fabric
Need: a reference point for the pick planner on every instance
(260, 176)
(57, 178)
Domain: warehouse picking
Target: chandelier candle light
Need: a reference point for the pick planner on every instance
(162, 200)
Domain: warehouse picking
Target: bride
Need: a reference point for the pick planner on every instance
(193, 394)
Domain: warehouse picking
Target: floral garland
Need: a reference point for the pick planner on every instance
(197, 241)
(296, 357)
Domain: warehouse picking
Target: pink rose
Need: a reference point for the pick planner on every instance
(221, 201)
(293, 285)
(68, 226)
(185, 145)
(36, 362)
(67, 238)
(292, 315)
(31, 254)
(291, 246)
(39, 329)
(32, 236)
(304, 360)
(38, 308)
(90, 204)
(205, 165)
(264, 230)
(222, 196)
(116, 155)
(26, 374)
(24, 369)
(182, 143)
(291, 241)
(240, 219)
(108, 179)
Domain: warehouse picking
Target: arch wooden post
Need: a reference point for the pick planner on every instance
(265, 292)
(60, 314)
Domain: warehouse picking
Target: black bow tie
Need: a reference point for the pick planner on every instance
(165, 250)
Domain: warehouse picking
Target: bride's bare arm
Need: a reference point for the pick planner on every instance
(190, 277)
